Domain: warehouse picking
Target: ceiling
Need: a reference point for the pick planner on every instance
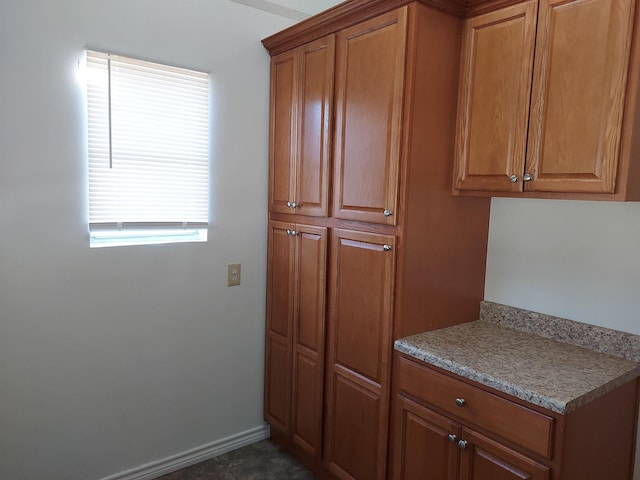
(294, 9)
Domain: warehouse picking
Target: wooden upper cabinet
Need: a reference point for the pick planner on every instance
(370, 72)
(549, 121)
(578, 95)
(301, 98)
(493, 105)
(283, 100)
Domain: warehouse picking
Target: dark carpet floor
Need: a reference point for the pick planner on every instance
(260, 461)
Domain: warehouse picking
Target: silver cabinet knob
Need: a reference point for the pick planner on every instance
(460, 402)
(294, 205)
(292, 233)
(463, 444)
(288, 204)
(527, 177)
(513, 178)
(386, 248)
(387, 213)
(452, 438)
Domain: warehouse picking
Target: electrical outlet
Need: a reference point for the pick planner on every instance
(233, 274)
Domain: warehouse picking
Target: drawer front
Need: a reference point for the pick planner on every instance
(528, 428)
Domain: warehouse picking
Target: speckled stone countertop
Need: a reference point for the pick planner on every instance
(544, 371)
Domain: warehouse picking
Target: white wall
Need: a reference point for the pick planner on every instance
(573, 259)
(112, 358)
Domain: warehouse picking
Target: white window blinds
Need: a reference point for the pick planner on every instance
(148, 137)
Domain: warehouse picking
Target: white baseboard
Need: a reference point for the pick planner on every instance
(170, 464)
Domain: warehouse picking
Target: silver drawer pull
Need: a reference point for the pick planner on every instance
(463, 444)
(387, 213)
(386, 248)
(460, 402)
(452, 438)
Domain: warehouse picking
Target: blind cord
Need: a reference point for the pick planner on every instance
(109, 109)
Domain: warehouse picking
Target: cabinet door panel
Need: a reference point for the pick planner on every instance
(493, 109)
(280, 279)
(279, 328)
(307, 403)
(309, 325)
(353, 450)
(359, 343)
(315, 98)
(361, 304)
(422, 449)
(369, 94)
(310, 307)
(284, 71)
(485, 459)
(277, 401)
(578, 93)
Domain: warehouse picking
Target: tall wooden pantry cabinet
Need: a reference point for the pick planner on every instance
(366, 243)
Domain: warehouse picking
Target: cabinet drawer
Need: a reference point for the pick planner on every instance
(528, 428)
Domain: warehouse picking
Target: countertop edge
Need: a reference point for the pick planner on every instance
(555, 405)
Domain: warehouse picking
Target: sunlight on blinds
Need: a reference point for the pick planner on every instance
(148, 137)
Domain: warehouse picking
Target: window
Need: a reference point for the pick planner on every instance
(148, 138)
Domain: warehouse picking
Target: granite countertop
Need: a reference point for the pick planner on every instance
(542, 370)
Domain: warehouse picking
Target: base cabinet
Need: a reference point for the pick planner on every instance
(424, 442)
(485, 459)
(430, 446)
(445, 428)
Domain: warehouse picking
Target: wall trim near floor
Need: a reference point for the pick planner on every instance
(199, 454)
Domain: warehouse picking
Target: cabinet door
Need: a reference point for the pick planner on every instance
(494, 95)
(486, 459)
(308, 335)
(370, 60)
(425, 443)
(359, 354)
(578, 93)
(284, 84)
(279, 333)
(314, 129)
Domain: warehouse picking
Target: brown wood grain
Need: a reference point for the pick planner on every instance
(308, 337)
(493, 105)
(628, 183)
(421, 443)
(283, 123)
(577, 101)
(442, 240)
(599, 437)
(498, 415)
(486, 459)
(314, 115)
(359, 342)
(369, 94)
(345, 15)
